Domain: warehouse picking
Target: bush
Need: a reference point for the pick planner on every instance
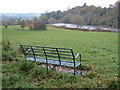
(39, 25)
(7, 46)
(8, 55)
(10, 81)
(26, 66)
(31, 26)
(5, 23)
(112, 83)
(7, 51)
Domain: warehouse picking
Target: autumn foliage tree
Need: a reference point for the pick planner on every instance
(30, 24)
(5, 23)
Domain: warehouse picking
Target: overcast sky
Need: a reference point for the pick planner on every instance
(40, 6)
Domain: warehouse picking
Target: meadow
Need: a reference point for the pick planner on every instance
(99, 52)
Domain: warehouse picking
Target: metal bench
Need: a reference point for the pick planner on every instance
(53, 55)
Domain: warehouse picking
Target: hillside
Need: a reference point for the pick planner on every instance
(86, 15)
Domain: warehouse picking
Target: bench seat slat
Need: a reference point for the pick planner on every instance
(65, 54)
(49, 56)
(57, 57)
(54, 49)
(48, 47)
(57, 48)
(38, 49)
(30, 52)
(54, 61)
(36, 54)
(59, 51)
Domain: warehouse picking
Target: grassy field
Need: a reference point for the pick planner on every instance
(99, 50)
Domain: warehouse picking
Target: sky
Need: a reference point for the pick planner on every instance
(41, 6)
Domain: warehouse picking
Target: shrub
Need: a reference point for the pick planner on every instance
(39, 24)
(31, 26)
(10, 81)
(7, 46)
(112, 83)
(5, 23)
(7, 51)
(8, 55)
(26, 66)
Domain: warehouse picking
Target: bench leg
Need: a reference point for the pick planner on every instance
(81, 69)
(74, 71)
(47, 68)
(53, 67)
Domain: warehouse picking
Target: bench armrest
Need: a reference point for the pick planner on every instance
(78, 54)
(28, 50)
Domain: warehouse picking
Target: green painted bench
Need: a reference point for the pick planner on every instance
(54, 56)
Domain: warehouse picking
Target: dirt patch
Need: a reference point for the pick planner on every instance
(63, 69)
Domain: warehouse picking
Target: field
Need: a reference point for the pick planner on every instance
(99, 52)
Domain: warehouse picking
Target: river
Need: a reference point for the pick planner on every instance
(87, 27)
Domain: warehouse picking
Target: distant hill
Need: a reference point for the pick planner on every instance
(19, 15)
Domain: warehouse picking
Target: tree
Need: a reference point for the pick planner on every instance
(5, 23)
(78, 20)
(43, 18)
(35, 19)
(22, 24)
(30, 24)
(66, 18)
(40, 23)
(51, 20)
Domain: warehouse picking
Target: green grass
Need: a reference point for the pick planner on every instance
(98, 49)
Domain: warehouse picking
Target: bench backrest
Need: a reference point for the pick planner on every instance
(48, 52)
